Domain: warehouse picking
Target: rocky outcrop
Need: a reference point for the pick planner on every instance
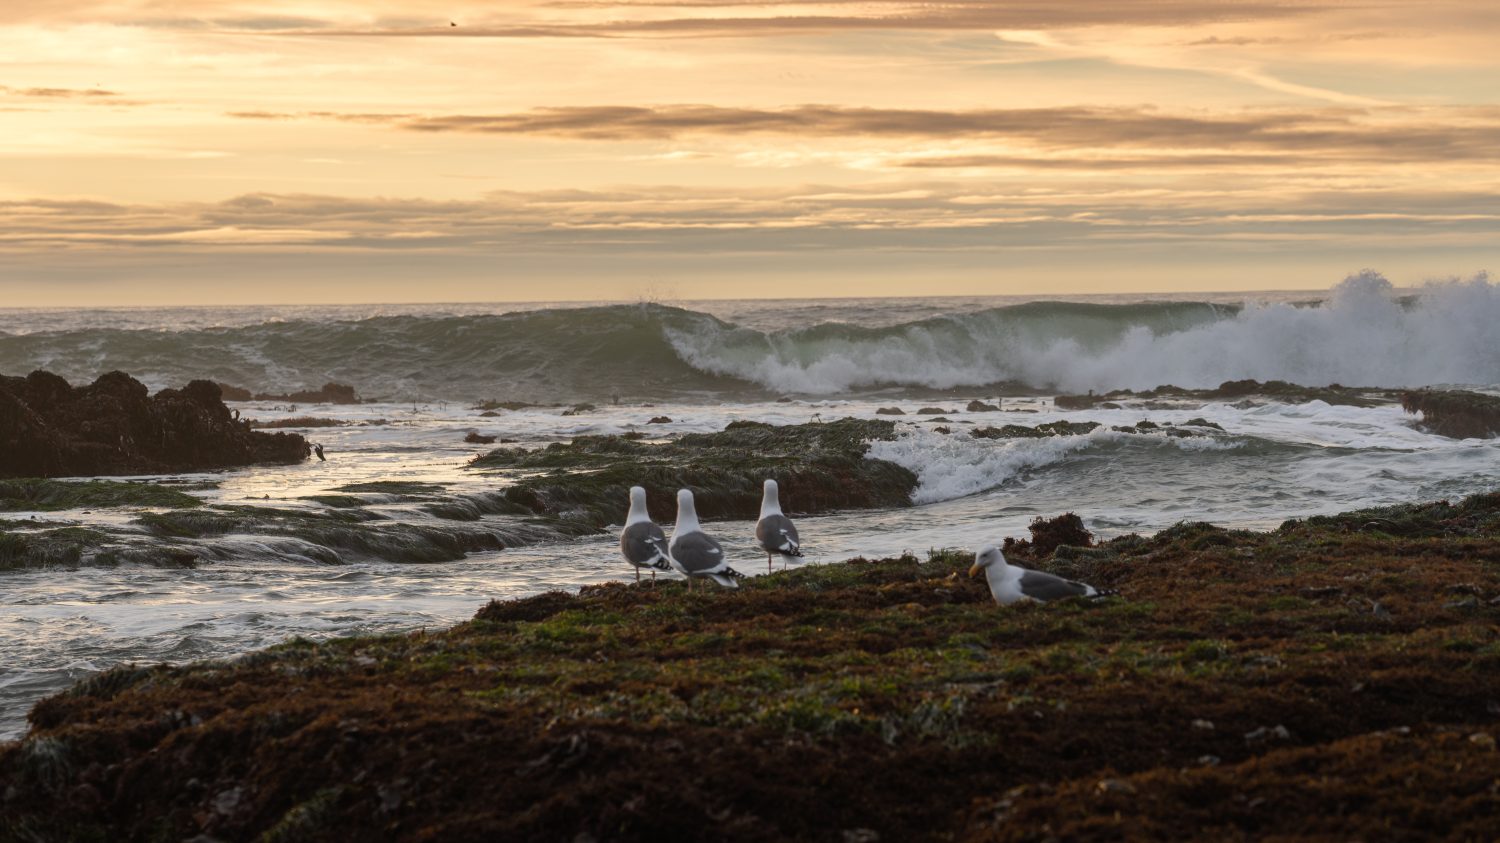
(820, 467)
(48, 428)
(1456, 412)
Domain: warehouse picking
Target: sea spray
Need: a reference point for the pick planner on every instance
(1361, 334)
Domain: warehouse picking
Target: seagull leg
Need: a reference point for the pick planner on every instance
(637, 576)
(768, 563)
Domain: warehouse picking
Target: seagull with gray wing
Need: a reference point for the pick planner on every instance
(695, 553)
(643, 543)
(775, 532)
(1013, 584)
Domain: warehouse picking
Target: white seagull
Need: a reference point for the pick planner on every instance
(1011, 584)
(694, 552)
(642, 543)
(775, 532)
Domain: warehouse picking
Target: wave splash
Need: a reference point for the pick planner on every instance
(1361, 335)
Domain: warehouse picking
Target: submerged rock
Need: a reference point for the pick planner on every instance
(474, 437)
(48, 428)
(890, 411)
(820, 467)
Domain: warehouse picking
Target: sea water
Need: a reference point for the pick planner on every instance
(704, 364)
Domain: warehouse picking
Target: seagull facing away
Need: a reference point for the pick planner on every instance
(642, 543)
(694, 552)
(775, 532)
(1011, 584)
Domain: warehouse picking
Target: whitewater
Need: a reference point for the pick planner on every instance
(1360, 333)
(702, 365)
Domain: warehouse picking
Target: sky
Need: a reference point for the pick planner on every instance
(221, 151)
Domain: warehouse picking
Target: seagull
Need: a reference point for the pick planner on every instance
(775, 532)
(643, 543)
(1011, 584)
(694, 552)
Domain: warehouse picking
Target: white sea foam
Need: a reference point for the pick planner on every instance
(1362, 335)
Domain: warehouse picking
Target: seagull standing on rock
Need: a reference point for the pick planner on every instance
(694, 552)
(775, 532)
(1012, 584)
(643, 543)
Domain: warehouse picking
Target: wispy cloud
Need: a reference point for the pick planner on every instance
(58, 93)
(1394, 134)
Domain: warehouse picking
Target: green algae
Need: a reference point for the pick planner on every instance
(820, 467)
(38, 495)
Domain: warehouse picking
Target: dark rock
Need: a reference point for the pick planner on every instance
(981, 407)
(1048, 534)
(1076, 402)
(821, 466)
(235, 393)
(890, 411)
(579, 409)
(1041, 431)
(114, 426)
(933, 411)
(660, 420)
(1455, 413)
(477, 438)
(489, 414)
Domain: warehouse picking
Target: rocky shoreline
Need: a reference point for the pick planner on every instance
(1336, 677)
(114, 426)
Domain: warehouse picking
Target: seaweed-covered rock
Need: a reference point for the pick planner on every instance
(820, 467)
(48, 428)
(977, 406)
(1458, 413)
(474, 437)
(891, 695)
(890, 411)
(1049, 534)
(1041, 431)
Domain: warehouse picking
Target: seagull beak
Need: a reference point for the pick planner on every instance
(974, 570)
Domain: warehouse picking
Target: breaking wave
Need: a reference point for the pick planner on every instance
(1361, 334)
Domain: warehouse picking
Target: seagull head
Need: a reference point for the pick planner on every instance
(637, 498)
(984, 557)
(687, 511)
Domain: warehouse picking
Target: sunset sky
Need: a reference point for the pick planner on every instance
(209, 151)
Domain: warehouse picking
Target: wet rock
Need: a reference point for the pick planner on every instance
(579, 409)
(821, 466)
(48, 428)
(981, 407)
(933, 411)
(1457, 413)
(1076, 402)
(477, 438)
(1041, 431)
(1047, 534)
(890, 411)
(660, 420)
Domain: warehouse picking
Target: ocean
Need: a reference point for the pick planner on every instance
(425, 368)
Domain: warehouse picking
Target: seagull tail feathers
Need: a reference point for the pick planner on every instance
(1102, 593)
(728, 579)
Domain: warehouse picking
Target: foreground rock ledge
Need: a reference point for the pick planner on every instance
(1335, 678)
(114, 426)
